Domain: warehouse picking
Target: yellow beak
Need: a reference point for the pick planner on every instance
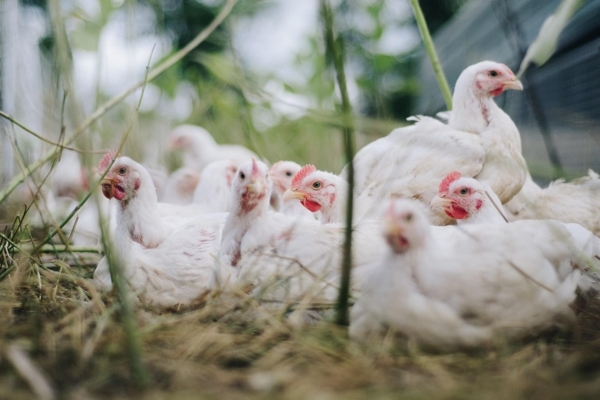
(293, 193)
(514, 84)
(438, 201)
(256, 187)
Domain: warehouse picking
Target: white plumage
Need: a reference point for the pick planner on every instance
(471, 202)
(468, 201)
(577, 201)
(200, 149)
(282, 174)
(480, 141)
(293, 257)
(180, 186)
(165, 263)
(214, 190)
(448, 286)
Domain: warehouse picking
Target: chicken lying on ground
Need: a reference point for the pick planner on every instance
(282, 174)
(284, 258)
(200, 149)
(480, 140)
(577, 201)
(472, 202)
(180, 186)
(214, 190)
(166, 264)
(460, 286)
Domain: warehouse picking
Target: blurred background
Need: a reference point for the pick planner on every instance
(262, 78)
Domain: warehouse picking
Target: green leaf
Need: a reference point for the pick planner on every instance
(544, 45)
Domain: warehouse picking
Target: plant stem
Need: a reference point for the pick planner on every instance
(128, 319)
(103, 109)
(433, 57)
(337, 55)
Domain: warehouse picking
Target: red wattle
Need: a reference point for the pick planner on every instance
(497, 91)
(311, 205)
(457, 212)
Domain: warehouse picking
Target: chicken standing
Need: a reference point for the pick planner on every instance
(577, 201)
(200, 149)
(459, 286)
(166, 264)
(480, 140)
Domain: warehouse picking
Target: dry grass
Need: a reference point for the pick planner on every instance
(231, 346)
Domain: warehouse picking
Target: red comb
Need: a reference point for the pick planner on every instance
(106, 161)
(451, 177)
(254, 167)
(307, 169)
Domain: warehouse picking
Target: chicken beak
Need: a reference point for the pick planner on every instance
(293, 193)
(392, 229)
(514, 84)
(108, 187)
(439, 201)
(256, 187)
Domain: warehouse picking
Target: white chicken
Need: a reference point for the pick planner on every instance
(200, 149)
(214, 190)
(459, 286)
(468, 200)
(577, 201)
(68, 177)
(480, 140)
(292, 257)
(319, 191)
(166, 264)
(180, 186)
(282, 174)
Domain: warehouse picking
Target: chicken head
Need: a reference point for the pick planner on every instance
(315, 190)
(122, 180)
(251, 185)
(405, 225)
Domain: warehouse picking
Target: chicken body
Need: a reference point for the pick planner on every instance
(472, 202)
(180, 186)
(200, 149)
(166, 262)
(214, 190)
(480, 140)
(460, 286)
(284, 258)
(577, 201)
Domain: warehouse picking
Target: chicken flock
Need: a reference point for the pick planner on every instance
(453, 242)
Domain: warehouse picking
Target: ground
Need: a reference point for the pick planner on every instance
(232, 347)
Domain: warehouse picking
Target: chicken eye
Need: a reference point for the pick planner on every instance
(493, 74)
(408, 217)
(464, 191)
(122, 170)
(242, 175)
(316, 185)
(288, 173)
